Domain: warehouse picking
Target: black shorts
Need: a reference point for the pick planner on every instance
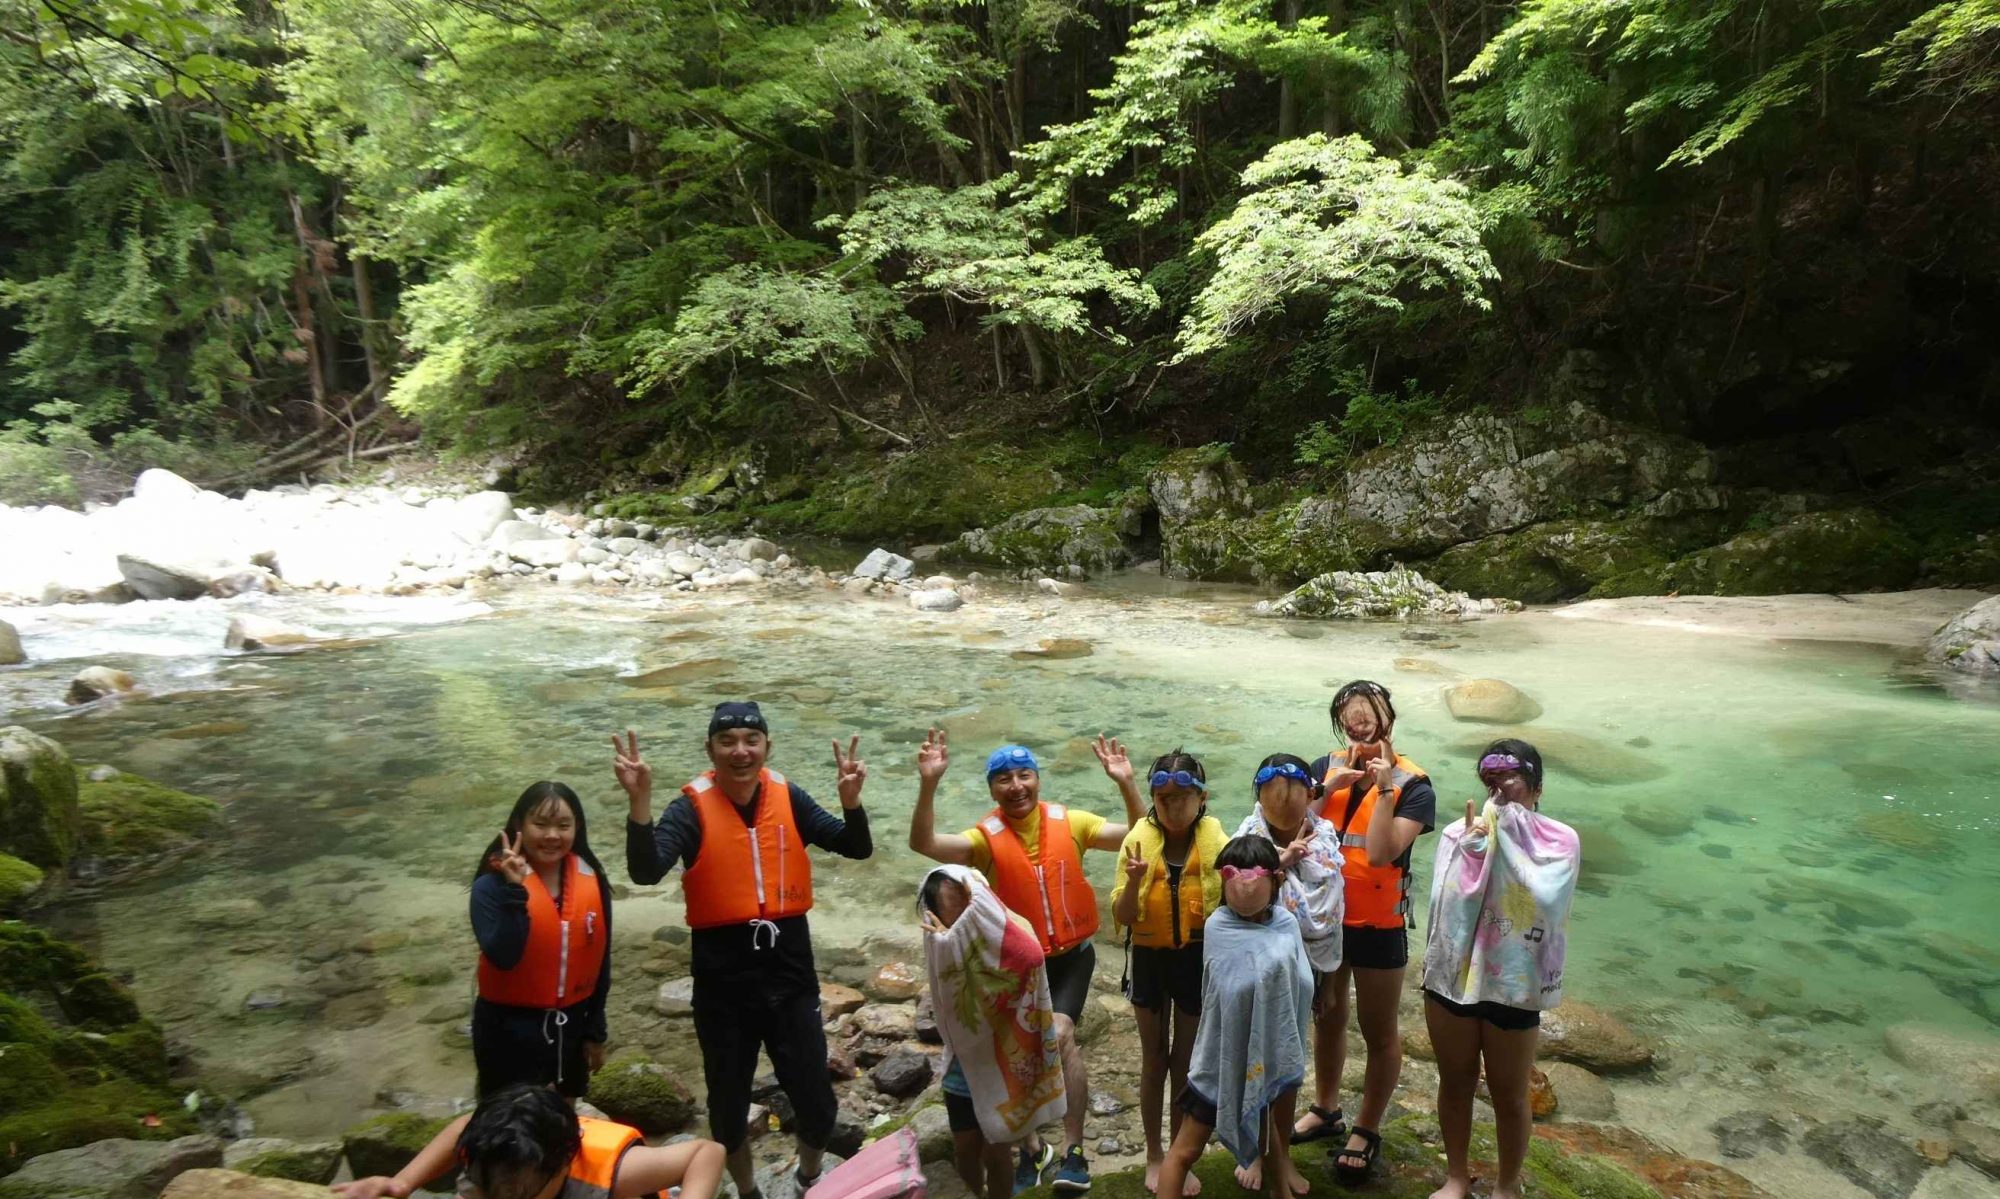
(1499, 1015)
(1069, 979)
(519, 1044)
(1196, 1106)
(1374, 948)
(732, 1024)
(959, 1111)
(1166, 976)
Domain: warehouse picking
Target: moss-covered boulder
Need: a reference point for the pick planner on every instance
(1378, 595)
(1555, 561)
(1850, 549)
(1970, 641)
(128, 820)
(634, 1090)
(1197, 493)
(273, 1157)
(113, 1168)
(1049, 539)
(1286, 544)
(18, 881)
(386, 1143)
(39, 818)
(77, 1062)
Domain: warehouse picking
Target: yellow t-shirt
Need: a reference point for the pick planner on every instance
(1084, 826)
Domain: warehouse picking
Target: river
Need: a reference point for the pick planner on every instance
(1790, 843)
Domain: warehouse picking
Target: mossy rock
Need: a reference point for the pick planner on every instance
(271, 1157)
(39, 819)
(1284, 545)
(78, 1115)
(1048, 539)
(1555, 561)
(386, 1143)
(634, 1090)
(128, 819)
(1852, 549)
(1410, 1167)
(18, 881)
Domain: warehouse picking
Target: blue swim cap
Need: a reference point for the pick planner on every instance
(1011, 757)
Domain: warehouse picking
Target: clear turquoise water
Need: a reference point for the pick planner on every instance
(1790, 846)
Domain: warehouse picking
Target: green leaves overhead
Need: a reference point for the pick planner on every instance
(1332, 219)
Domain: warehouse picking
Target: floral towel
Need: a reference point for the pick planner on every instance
(1500, 909)
(990, 991)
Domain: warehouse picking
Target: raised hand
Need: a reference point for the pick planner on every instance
(1111, 756)
(933, 758)
(1340, 778)
(509, 862)
(1135, 867)
(852, 771)
(1380, 766)
(1468, 815)
(1295, 853)
(633, 773)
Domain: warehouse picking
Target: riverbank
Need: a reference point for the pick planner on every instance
(1901, 619)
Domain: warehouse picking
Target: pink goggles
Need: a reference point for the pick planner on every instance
(1253, 873)
(1497, 763)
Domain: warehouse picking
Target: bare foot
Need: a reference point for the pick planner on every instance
(1192, 1185)
(1500, 1194)
(1250, 1177)
(1153, 1175)
(1294, 1179)
(1456, 1188)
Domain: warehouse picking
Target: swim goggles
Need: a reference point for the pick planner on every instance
(1283, 770)
(1253, 873)
(1178, 778)
(1011, 757)
(1493, 763)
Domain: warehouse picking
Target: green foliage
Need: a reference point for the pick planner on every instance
(1951, 50)
(1333, 219)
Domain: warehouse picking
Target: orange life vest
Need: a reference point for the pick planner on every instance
(594, 1169)
(744, 873)
(1377, 896)
(1052, 891)
(566, 945)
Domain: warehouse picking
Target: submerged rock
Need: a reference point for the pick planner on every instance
(10, 646)
(1868, 1156)
(252, 632)
(1967, 1063)
(111, 1169)
(1390, 594)
(1968, 642)
(1580, 1095)
(129, 821)
(1490, 701)
(40, 821)
(1579, 754)
(1747, 1134)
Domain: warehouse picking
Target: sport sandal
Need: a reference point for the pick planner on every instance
(1371, 1145)
(1331, 1124)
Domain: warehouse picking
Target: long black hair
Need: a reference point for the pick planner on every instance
(1177, 759)
(534, 799)
(519, 1138)
(1378, 702)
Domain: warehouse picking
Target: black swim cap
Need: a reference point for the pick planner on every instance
(737, 715)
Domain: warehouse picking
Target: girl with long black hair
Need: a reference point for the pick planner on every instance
(541, 912)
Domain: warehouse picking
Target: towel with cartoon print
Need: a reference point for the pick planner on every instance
(1500, 899)
(1256, 1016)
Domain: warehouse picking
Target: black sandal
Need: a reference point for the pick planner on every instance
(1331, 1124)
(1355, 1175)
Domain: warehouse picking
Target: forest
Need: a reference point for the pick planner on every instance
(626, 246)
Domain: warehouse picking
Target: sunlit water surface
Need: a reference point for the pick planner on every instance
(1790, 846)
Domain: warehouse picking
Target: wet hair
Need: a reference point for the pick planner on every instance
(1248, 852)
(1177, 759)
(933, 891)
(519, 1138)
(534, 799)
(1377, 697)
(1531, 758)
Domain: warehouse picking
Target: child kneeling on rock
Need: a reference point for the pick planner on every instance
(527, 1142)
(1256, 1010)
(990, 990)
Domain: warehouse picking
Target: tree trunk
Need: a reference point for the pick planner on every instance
(1332, 120)
(371, 332)
(1288, 98)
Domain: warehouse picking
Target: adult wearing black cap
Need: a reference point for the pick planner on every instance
(741, 829)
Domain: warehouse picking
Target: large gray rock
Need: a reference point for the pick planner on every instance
(155, 577)
(111, 1169)
(272, 1157)
(1595, 1039)
(937, 599)
(685, 564)
(10, 646)
(1193, 491)
(1969, 641)
(1868, 1156)
(555, 551)
(514, 532)
(474, 517)
(1049, 539)
(1384, 594)
(881, 564)
(901, 1075)
(39, 818)
(1481, 473)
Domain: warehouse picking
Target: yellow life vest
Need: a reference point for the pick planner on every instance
(1157, 924)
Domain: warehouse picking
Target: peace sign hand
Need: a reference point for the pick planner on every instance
(1111, 756)
(509, 862)
(1135, 867)
(1294, 853)
(933, 758)
(632, 770)
(852, 772)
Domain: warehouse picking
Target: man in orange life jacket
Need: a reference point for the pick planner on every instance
(742, 831)
(1032, 854)
(527, 1142)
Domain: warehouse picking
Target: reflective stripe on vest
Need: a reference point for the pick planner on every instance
(746, 871)
(1377, 896)
(542, 978)
(1024, 885)
(593, 1172)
